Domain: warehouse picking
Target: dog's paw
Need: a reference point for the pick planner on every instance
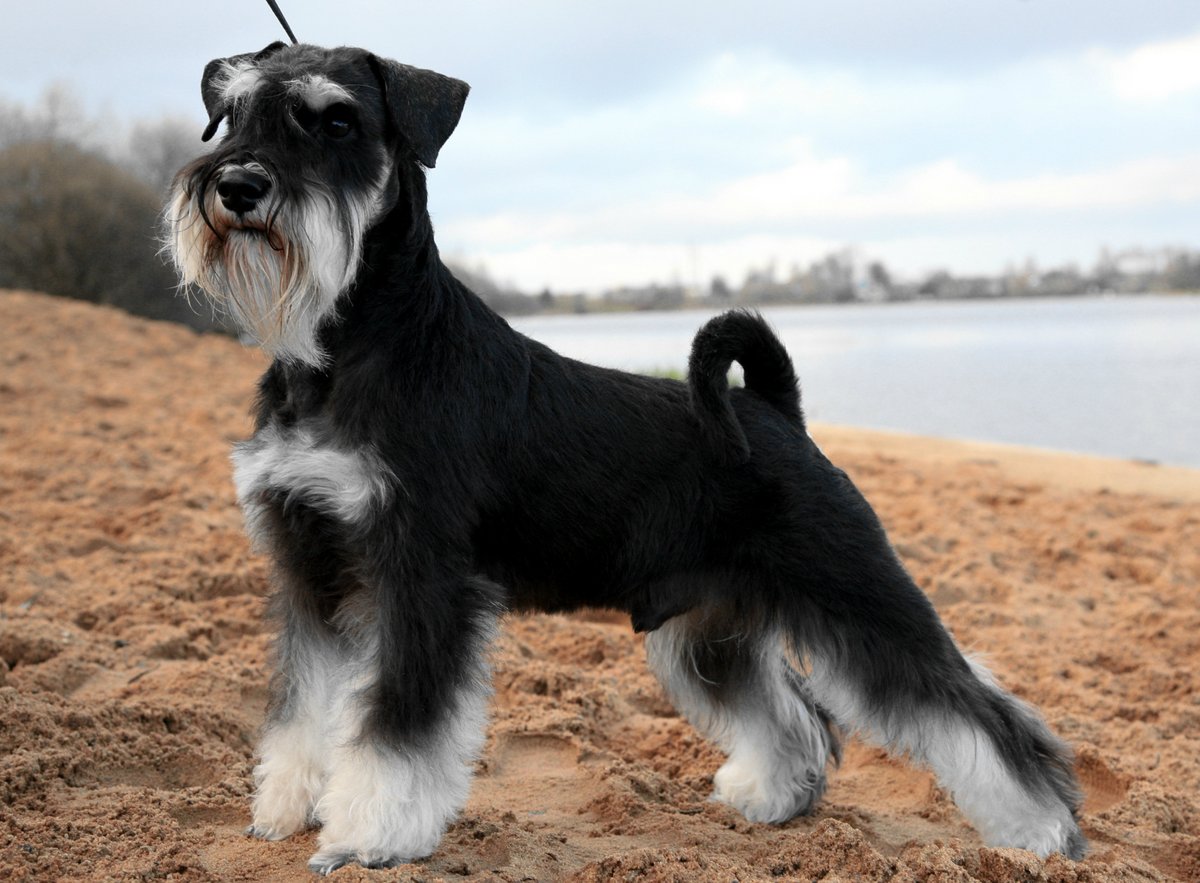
(283, 802)
(1075, 845)
(280, 827)
(326, 862)
(263, 831)
(1044, 837)
(767, 799)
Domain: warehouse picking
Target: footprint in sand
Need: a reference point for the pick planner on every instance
(524, 756)
(1102, 787)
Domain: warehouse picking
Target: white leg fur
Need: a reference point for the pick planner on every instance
(1004, 812)
(287, 780)
(376, 805)
(382, 806)
(777, 747)
(777, 757)
(966, 763)
(293, 752)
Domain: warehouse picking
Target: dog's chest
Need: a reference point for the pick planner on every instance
(298, 464)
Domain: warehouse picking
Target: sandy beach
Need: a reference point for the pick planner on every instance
(134, 655)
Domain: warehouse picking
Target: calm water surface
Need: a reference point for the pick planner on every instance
(1112, 376)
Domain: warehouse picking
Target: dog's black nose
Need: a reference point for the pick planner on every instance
(240, 189)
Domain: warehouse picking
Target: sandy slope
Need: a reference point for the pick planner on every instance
(134, 656)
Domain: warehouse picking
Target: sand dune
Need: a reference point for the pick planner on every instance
(135, 657)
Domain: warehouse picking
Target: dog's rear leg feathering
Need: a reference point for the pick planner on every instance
(737, 688)
(879, 660)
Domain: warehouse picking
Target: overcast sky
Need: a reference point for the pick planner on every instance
(629, 142)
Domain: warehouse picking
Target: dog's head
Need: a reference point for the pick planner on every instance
(271, 223)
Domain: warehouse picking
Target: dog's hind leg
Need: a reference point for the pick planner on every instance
(884, 665)
(739, 690)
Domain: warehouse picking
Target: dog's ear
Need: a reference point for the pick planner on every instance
(422, 106)
(216, 78)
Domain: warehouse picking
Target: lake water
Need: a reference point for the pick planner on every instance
(1113, 376)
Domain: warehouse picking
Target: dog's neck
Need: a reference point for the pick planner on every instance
(401, 265)
(390, 327)
(402, 288)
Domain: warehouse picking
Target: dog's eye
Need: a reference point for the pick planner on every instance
(305, 116)
(337, 121)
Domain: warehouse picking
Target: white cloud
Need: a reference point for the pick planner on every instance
(595, 266)
(1156, 71)
(945, 188)
(813, 189)
(742, 84)
(786, 215)
(748, 156)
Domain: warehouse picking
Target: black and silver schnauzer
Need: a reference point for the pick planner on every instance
(418, 468)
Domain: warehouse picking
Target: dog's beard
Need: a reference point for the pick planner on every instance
(277, 274)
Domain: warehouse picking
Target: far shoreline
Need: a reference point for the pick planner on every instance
(1019, 463)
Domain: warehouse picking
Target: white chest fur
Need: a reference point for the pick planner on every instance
(296, 465)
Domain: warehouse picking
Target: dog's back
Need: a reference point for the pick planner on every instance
(623, 490)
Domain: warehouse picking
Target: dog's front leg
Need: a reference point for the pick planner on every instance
(311, 659)
(409, 720)
(295, 738)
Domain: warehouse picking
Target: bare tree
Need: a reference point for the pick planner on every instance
(57, 117)
(73, 223)
(158, 149)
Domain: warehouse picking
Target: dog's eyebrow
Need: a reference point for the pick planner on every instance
(319, 92)
(237, 81)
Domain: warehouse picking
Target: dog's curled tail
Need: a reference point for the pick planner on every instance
(744, 337)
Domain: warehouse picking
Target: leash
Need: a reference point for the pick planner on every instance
(283, 21)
